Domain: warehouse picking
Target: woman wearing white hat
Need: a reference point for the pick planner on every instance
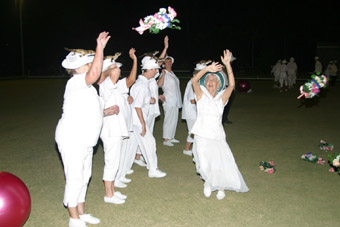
(79, 128)
(114, 127)
(217, 165)
(172, 101)
(142, 99)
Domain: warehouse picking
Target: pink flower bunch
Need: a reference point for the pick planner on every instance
(321, 161)
(268, 167)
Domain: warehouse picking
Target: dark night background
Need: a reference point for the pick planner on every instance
(257, 32)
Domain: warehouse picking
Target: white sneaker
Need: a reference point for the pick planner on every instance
(76, 223)
(89, 219)
(173, 140)
(168, 143)
(156, 174)
(119, 184)
(114, 199)
(220, 195)
(124, 180)
(189, 153)
(207, 191)
(120, 195)
(140, 162)
(130, 171)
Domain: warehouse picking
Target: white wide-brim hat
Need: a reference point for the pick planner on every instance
(108, 62)
(75, 60)
(219, 77)
(149, 63)
(200, 66)
(169, 57)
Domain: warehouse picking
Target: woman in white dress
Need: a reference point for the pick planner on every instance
(217, 165)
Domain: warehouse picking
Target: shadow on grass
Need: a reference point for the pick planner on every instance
(311, 102)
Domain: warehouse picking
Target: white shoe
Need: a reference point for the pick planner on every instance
(114, 199)
(119, 184)
(207, 191)
(189, 153)
(89, 219)
(124, 180)
(173, 140)
(76, 223)
(130, 171)
(120, 195)
(156, 174)
(140, 162)
(168, 143)
(220, 195)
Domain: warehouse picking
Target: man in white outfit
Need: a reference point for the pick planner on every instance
(276, 72)
(291, 71)
(283, 76)
(172, 101)
(142, 98)
(318, 65)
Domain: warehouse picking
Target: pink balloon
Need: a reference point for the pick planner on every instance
(243, 86)
(15, 201)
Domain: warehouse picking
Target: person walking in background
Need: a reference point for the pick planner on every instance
(318, 65)
(218, 168)
(276, 72)
(292, 72)
(283, 76)
(333, 73)
(78, 129)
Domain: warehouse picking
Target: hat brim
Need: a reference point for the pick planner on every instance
(107, 65)
(77, 64)
(218, 74)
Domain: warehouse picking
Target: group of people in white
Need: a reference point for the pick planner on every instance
(123, 116)
(285, 74)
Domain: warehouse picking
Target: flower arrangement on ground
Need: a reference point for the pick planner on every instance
(312, 87)
(324, 146)
(158, 21)
(312, 158)
(268, 167)
(334, 162)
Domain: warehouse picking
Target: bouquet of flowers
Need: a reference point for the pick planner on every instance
(334, 161)
(312, 87)
(312, 158)
(268, 167)
(158, 21)
(326, 146)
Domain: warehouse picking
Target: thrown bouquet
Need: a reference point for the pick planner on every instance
(268, 167)
(312, 87)
(312, 158)
(158, 21)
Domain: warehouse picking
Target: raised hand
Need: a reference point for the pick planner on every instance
(214, 67)
(132, 54)
(102, 39)
(166, 42)
(226, 57)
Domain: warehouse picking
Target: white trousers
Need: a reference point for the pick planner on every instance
(283, 79)
(147, 145)
(276, 76)
(77, 161)
(127, 155)
(151, 121)
(170, 121)
(291, 79)
(190, 124)
(112, 147)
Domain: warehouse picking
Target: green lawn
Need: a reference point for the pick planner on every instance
(267, 125)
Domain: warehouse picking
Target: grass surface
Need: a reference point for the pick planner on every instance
(267, 125)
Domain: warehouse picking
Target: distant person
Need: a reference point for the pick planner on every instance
(333, 74)
(217, 168)
(283, 76)
(328, 69)
(291, 72)
(276, 72)
(78, 129)
(318, 65)
(172, 101)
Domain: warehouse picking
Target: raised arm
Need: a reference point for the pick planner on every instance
(96, 67)
(214, 67)
(166, 46)
(160, 81)
(226, 61)
(133, 73)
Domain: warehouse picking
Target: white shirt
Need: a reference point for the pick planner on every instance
(189, 110)
(154, 108)
(318, 67)
(141, 98)
(82, 116)
(291, 67)
(113, 125)
(171, 90)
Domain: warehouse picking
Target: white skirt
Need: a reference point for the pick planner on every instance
(217, 165)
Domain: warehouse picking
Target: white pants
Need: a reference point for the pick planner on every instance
(283, 79)
(291, 79)
(276, 76)
(197, 161)
(127, 155)
(112, 147)
(151, 121)
(77, 161)
(147, 145)
(190, 124)
(170, 121)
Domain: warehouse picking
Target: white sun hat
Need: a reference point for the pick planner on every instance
(149, 63)
(110, 60)
(201, 65)
(169, 57)
(75, 60)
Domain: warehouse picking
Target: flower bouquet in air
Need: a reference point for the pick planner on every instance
(159, 21)
(334, 162)
(268, 167)
(312, 87)
(326, 146)
(312, 158)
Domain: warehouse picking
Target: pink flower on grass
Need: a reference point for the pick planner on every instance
(271, 163)
(331, 170)
(270, 170)
(320, 161)
(336, 163)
